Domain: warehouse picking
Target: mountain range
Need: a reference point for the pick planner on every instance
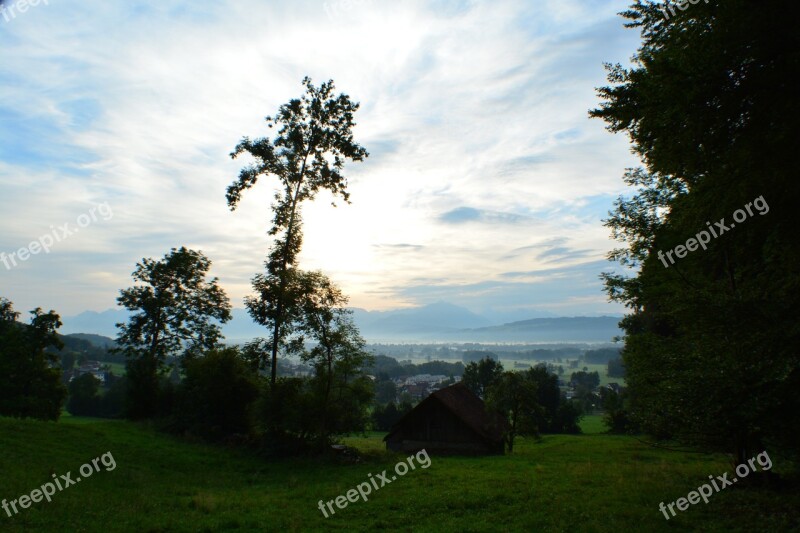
(443, 322)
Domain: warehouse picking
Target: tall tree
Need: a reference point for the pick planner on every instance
(558, 414)
(174, 313)
(308, 154)
(338, 357)
(711, 108)
(30, 379)
(514, 395)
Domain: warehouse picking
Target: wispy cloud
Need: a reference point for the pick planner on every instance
(470, 214)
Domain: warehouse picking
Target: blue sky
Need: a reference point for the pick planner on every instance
(485, 187)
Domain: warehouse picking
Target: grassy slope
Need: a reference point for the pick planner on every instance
(565, 483)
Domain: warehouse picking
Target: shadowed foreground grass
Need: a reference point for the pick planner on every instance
(564, 483)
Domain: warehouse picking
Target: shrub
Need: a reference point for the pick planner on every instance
(215, 397)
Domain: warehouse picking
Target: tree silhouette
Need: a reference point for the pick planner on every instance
(307, 155)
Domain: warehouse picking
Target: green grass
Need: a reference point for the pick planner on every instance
(564, 483)
(117, 368)
(592, 424)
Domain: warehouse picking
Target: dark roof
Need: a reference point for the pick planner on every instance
(468, 407)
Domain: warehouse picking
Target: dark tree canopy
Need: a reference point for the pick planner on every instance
(175, 309)
(710, 105)
(515, 395)
(478, 376)
(30, 379)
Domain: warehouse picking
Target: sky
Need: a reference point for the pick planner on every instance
(485, 187)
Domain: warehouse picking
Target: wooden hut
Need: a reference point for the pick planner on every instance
(451, 420)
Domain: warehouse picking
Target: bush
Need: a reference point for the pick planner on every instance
(285, 416)
(215, 397)
(567, 418)
(616, 417)
(113, 405)
(142, 391)
(84, 398)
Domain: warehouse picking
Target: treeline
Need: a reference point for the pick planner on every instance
(543, 354)
(601, 355)
(389, 368)
(472, 352)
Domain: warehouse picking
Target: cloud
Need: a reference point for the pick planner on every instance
(474, 112)
(469, 214)
(399, 247)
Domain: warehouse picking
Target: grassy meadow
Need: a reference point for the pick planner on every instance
(590, 482)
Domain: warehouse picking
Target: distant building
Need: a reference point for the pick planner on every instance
(417, 391)
(425, 378)
(93, 368)
(421, 385)
(451, 420)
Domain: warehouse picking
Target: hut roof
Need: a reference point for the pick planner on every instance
(465, 405)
